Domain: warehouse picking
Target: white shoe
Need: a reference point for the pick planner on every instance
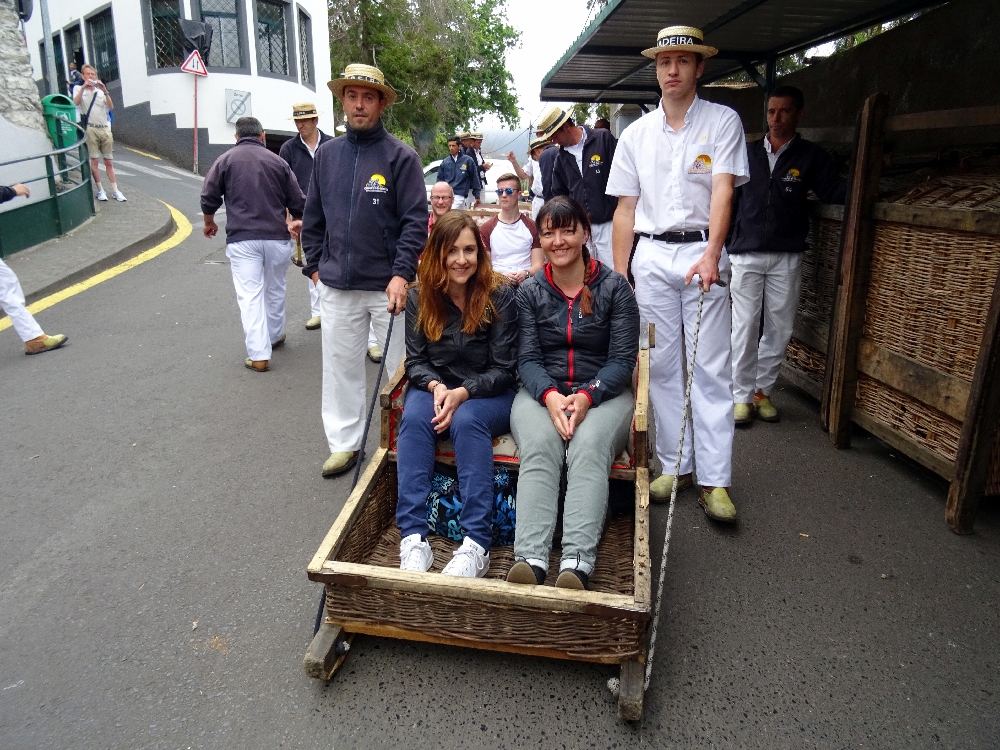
(415, 554)
(101, 195)
(117, 195)
(469, 561)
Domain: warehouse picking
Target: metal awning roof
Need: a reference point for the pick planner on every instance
(605, 64)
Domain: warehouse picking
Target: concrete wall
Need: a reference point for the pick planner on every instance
(155, 109)
(948, 58)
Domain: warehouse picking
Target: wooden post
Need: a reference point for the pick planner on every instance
(979, 430)
(847, 322)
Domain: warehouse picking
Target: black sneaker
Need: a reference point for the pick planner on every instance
(571, 578)
(522, 572)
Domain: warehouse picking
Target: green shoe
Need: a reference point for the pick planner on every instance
(765, 409)
(44, 343)
(717, 504)
(743, 413)
(661, 487)
(340, 462)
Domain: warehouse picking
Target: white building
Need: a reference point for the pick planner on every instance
(275, 50)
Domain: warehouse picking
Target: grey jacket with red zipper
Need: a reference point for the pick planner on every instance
(564, 350)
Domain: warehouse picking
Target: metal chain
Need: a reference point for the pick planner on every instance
(673, 490)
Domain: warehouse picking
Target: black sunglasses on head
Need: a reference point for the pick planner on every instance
(505, 191)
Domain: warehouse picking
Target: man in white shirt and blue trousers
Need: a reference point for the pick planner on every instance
(674, 173)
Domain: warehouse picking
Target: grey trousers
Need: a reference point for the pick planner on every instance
(599, 438)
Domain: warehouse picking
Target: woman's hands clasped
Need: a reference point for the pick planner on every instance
(567, 412)
(446, 401)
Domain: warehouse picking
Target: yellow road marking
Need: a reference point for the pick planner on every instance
(183, 230)
(144, 153)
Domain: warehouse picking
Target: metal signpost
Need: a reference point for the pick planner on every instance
(195, 65)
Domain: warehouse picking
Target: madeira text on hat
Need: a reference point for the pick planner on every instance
(552, 119)
(357, 74)
(304, 111)
(680, 39)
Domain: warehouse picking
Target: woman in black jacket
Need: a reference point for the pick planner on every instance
(579, 338)
(461, 354)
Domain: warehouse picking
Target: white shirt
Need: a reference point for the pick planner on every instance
(99, 112)
(534, 172)
(577, 152)
(310, 149)
(510, 247)
(772, 157)
(671, 172)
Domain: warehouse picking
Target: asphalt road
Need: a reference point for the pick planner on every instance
(160, 504)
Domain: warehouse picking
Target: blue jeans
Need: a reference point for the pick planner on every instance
(473, 427)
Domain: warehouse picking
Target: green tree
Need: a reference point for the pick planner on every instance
(445, 58)
(580, 113)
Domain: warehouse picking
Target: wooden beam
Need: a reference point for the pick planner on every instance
(956, 219)
(802, 381)
(811, 332)
(929, 386)
(971, 117)
(549, 598)
(904, 444)
(348, 515)
(979, 430)
(830, 211)
(844, 134)
(630, 692)
(385, 395)
(840, 384)
(640, 560)
(526, 648)
(327, 651)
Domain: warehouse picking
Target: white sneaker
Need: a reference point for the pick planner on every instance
(101, 195)
(415, 554)
(117, 195)
(469, 561)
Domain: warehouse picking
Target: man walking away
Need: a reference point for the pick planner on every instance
(299, 152)
(258, 188)
(581, 170)
(460, 171)
(95, 102)
(365, 225)
(770, 224)
(442, 201)
(675, 171)
(12, 297)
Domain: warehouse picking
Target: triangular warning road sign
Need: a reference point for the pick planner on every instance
(194, 64)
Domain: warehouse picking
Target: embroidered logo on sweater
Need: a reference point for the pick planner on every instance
(793, 176)
(376, 184)
(702, 165)
(595, 160)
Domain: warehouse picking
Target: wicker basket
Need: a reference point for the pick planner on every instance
(928, 296)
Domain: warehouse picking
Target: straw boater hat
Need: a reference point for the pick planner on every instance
(680, 39)
(304, 111)
(357, 74)
(463, 136)
(537, 143)
(476, 136)
(553, 119)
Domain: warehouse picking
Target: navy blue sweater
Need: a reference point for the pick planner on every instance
(590, 188)
(771, 212)
(366, 211)
(461, 174)
(294, 152)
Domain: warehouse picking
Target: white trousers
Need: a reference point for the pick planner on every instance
(348, 318)
(458, 201)
(770, 282)
(12, 302)
(313, 298)
(259, 268)
(536, 205)
(659, 269)
(600, 243)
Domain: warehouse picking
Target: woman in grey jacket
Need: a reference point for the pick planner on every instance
(579, 339)
(461, 355)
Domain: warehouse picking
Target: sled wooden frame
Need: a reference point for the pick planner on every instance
(556, 623)
(850, 356)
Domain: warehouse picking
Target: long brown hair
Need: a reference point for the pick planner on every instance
(433, 276)
(563, 212)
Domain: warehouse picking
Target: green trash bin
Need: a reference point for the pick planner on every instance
(62, 134)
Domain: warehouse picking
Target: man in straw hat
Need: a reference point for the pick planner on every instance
(471, 145)
(674, 173)
(581, 168)
(299, 153)
(364, 226)
(460, 171)
(532, 173)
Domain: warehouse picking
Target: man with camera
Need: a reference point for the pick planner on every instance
(94, 101)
